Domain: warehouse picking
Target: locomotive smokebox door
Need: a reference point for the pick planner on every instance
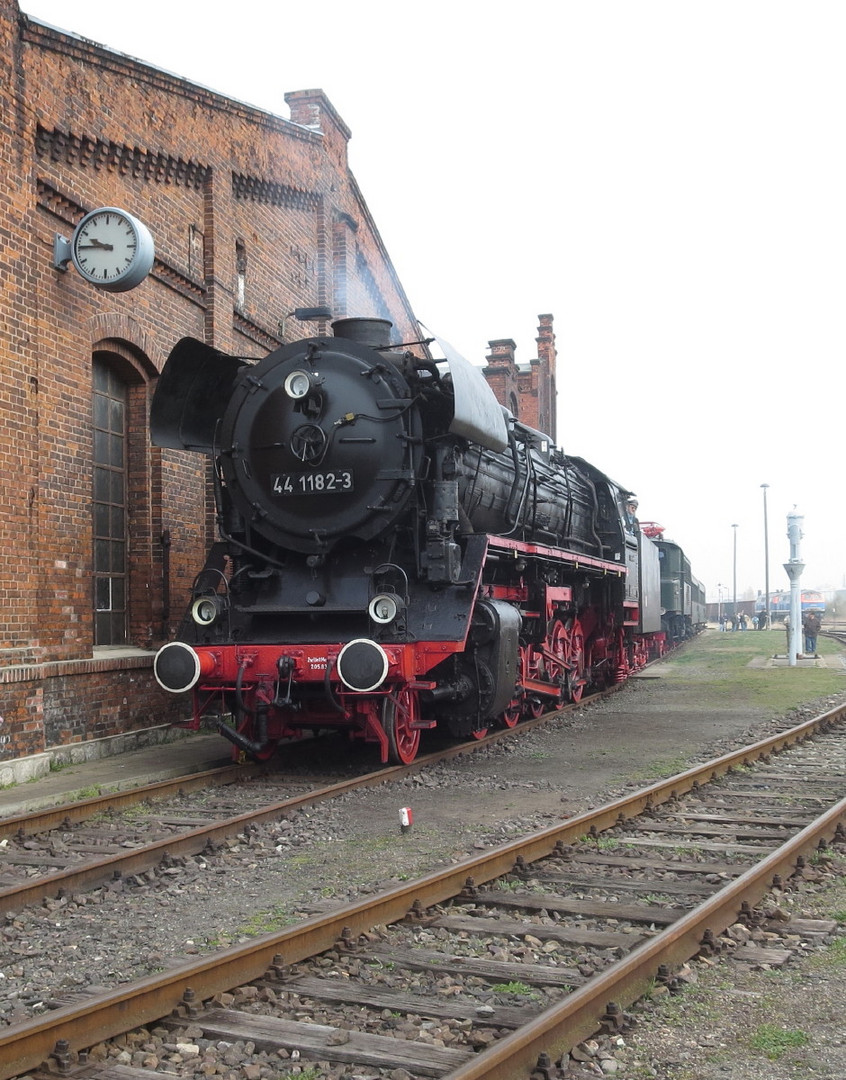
(320, 442)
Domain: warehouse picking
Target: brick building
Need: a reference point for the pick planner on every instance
(253, 216)
(528, 390)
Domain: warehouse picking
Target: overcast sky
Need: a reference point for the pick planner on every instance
(666, 178)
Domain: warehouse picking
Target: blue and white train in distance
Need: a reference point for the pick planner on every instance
(780, 603)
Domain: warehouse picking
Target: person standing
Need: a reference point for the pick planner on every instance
(631, 514)
(811, 623)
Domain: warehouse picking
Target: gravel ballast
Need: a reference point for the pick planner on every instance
(330, 854)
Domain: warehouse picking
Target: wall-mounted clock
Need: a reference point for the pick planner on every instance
(111, 249)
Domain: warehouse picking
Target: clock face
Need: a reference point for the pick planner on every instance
(112, 249)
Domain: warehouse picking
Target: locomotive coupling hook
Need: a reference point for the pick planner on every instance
(286, 666)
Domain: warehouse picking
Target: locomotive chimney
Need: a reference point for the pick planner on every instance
(373, 332)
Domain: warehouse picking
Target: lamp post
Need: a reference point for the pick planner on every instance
(794, 570)
(766, 563)
(734, 572)
(720, 588)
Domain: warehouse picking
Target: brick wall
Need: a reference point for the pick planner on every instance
(528, 390)
(253, 215)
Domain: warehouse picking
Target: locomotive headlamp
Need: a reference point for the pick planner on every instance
(384, 608)
(299, 384)
(206, 609)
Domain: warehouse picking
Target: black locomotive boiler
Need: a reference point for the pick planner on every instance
(396, 552)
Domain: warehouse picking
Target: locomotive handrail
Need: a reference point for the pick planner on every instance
(576, 559)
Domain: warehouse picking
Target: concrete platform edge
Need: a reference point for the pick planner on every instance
(68, 773)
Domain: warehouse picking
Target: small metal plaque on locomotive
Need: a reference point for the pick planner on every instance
(329, 482)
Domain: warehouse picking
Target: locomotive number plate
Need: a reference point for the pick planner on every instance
(313, 483)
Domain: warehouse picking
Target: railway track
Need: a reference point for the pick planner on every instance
(511, 957)
(80, 846)
(63, 814)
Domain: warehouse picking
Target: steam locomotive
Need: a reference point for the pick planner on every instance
(396, 551)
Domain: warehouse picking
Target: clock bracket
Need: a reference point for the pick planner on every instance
(61, 252)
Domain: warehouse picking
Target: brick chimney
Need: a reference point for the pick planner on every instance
(545, 381)
(527, 390)
(502, 374)
(313, 109)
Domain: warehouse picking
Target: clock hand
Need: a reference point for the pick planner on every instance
(96, 244)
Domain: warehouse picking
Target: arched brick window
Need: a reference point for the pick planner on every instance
(122, 514)
(110, 559)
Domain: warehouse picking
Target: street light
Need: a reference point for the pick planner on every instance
(734, 571)
(766, 563)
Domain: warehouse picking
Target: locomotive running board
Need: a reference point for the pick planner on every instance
(577, 561)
